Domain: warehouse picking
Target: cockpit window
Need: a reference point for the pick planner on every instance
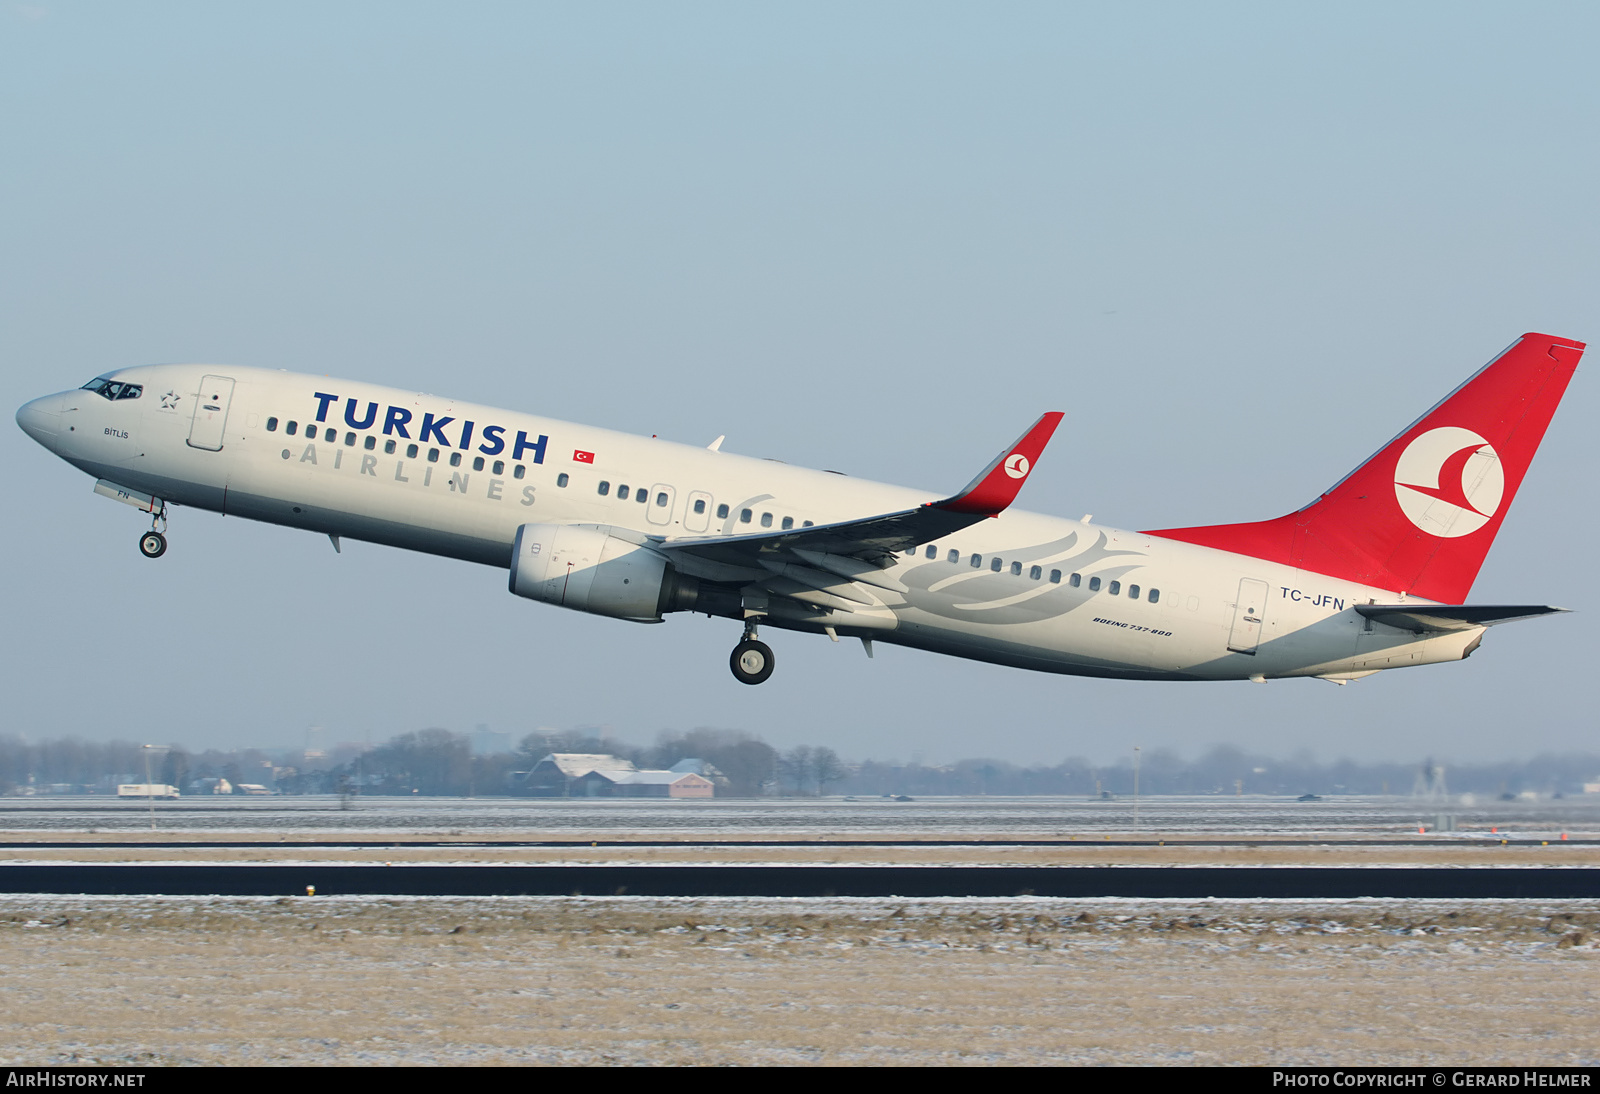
(113, 389)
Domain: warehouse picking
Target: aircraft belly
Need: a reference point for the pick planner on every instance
(934, 635)
(372, 528)
(1061, 644)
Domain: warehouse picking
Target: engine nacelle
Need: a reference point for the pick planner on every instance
(589, 570)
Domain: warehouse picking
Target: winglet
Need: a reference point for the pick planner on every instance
(997, 485)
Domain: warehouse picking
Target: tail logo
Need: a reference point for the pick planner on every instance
(1017, 465)
(1449, 482)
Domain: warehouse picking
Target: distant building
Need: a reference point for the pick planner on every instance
(597, 775)
(664, 784)
(486, 742)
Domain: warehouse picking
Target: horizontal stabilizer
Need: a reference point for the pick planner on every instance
(1451, 617)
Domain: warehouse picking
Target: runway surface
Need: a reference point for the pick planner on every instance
(985, 818)
(1173, 882)
(1167, 848)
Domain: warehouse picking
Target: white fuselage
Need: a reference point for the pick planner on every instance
(1025, 589)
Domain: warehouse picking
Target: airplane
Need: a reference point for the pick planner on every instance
(1373, 574)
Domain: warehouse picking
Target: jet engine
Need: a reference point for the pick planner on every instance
(588, 569)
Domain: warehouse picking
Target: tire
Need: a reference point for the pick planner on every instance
(152, 545)
(752, 662)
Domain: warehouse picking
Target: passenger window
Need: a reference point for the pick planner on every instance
(699, 505)
(1055, 577)
(745, 515)
(932, 552)
(1114, 588)
(1077, 579)
(500, 469)
(722, 512)
(349, 440)
(1133, 592)
(272, 425)
(805, 524)
(766, 520)
(995, 564)
(661, 500)
(641, 495)
(1036, 573)
(330, 435)
(788, 523)
(977, 560)
(605, 488)
(411, 451)
(388, 447)
(433, 455)
(955, 555)
(1094, 584)
(1016, 569)
(477, 463)
(292, 428)
(522, 471)
(1155, 596)
(455, 459)
(622, 493)
(370, 443)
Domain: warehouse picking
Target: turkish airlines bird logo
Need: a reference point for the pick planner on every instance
(1449, 482)
(1016, 465)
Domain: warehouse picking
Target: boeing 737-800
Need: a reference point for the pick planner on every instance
(1371, 575)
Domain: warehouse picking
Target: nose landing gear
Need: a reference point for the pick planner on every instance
(153, 544)
(752, 661)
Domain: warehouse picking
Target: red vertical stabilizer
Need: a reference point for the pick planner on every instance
(1419, 516)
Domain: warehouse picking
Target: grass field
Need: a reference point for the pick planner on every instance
(144, 980)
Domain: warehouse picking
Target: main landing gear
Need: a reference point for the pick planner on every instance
(752, 660)
(153, 544)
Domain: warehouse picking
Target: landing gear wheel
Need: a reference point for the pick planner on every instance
(751, 662)
(153, 545)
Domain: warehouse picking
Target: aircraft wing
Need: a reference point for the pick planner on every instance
(1451, 617)
(857, 549)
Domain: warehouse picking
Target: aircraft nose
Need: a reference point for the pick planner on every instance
(41, 419)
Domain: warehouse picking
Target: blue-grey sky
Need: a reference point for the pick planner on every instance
(1239, 245)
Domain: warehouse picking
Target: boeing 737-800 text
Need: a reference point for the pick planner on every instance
(1371, 575)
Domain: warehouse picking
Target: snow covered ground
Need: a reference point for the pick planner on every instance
(141, 980)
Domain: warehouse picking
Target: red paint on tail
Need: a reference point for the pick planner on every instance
(1360, 530)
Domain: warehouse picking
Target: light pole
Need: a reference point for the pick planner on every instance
(1135, 788)
(149, 788)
